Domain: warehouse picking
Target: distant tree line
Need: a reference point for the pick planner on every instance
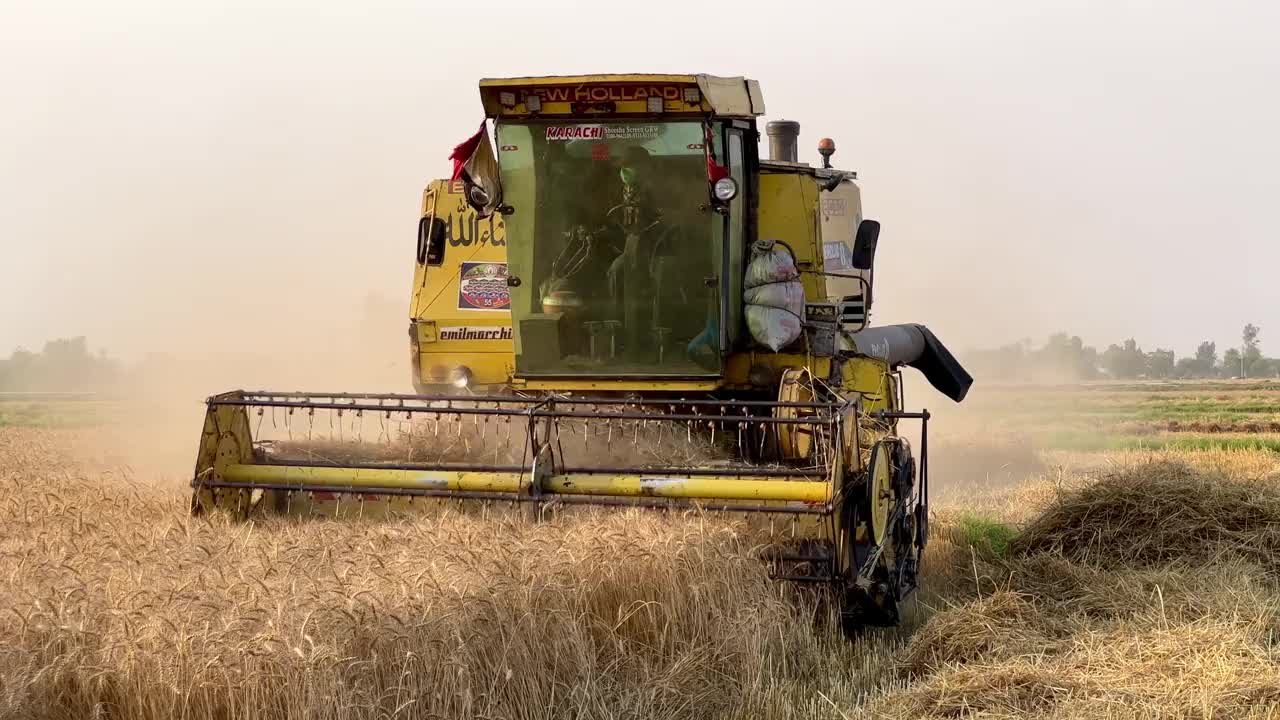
(67, 364)
(64, 365)
(1066, 356)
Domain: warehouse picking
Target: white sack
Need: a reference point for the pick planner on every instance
(774, 295)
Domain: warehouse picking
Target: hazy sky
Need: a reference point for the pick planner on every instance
(221, 174)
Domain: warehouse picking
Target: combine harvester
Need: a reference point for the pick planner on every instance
(626, 306)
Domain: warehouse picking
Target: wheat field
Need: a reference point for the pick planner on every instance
(1060, 583)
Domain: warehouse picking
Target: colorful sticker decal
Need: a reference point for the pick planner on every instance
(476, 332)
(632, 132)
(483, 286)
(836, 256)
(602, 132)
(600, 151)
(575, 132)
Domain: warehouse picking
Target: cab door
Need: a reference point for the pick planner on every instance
(736, 231)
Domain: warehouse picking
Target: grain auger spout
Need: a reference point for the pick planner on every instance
(618, 302)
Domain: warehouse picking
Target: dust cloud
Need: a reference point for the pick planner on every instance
(155, 426)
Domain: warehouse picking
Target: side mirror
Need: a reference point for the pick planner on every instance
(485, 199)
(431, 237)
(477, 198)
(864, 245)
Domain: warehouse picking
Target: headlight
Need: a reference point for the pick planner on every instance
(460, 377)
(725, 189)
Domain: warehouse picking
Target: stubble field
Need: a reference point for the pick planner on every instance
(1099, 552)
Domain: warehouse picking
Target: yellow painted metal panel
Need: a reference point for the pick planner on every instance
(738, 365)
(468, 239)
(375, 478)
(487, 368)
(709, 488)
(789, 212)
(449, 335)
(870, 377)
(619, 385)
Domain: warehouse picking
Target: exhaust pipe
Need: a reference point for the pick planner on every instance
(784, 136)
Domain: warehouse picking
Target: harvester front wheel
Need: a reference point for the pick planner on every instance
(870, 593)
(879, 532)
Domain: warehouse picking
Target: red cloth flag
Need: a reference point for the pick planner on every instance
(715, 171)
(475, 163)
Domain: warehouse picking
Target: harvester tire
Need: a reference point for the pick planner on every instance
(794, 442)
(871, 601)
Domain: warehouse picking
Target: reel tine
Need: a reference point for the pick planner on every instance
(499, 445)
(409, 416)
(742, 454)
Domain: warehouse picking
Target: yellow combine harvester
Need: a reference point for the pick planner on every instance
(626, 306)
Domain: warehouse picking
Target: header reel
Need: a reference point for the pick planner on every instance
(783, 465)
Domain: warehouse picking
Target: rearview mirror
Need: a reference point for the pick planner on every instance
(431, 237)
(864, 245)
(477, 198)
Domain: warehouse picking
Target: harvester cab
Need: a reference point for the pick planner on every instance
(617, 302)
